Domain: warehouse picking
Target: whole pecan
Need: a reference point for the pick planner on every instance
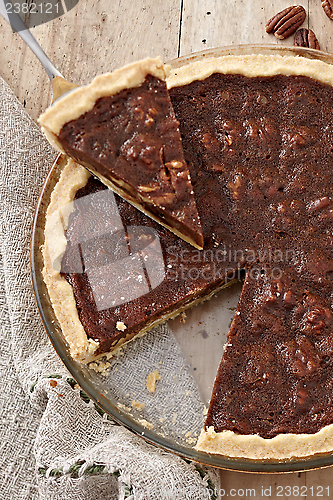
(286, 22)
(306, 38)
(328, 7)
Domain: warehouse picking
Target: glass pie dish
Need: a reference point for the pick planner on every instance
(186, 353)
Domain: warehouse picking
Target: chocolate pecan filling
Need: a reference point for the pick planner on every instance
(259, 152)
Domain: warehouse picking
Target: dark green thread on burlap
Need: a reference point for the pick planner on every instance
(74, 471)
(32, 388)
(211, 487)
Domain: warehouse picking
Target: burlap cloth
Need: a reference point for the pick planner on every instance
(54, 444)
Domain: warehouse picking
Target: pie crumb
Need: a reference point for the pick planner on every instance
(191, 440)
(146, 424)
(121, 326)
(138, 405)
(182, 317)
(152, 379)
(100, 366)
(123, 407)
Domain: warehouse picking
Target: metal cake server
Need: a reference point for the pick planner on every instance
(60, 85)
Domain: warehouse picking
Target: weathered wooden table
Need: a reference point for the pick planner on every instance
(100, 35)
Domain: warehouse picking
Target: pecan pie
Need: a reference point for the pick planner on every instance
(257, 138)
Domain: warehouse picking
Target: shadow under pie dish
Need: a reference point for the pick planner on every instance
(256, 136)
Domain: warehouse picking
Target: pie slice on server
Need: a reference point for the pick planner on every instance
(123, 129)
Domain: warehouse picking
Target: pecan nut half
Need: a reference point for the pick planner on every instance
(327, 5)
(306, 38)
(286, 22)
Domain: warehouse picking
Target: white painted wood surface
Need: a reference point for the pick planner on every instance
(100, 35)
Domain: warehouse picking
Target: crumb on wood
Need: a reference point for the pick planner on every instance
(152, 378)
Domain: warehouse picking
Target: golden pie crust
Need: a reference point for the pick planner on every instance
(82, 99)
(227, 443)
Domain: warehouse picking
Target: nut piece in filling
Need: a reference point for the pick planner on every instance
(123, 129)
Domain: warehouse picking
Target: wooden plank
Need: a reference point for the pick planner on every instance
(213, 23)
(311, 484)
(319, 484)
(92, 38)
(259, 486)
(321, 25)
